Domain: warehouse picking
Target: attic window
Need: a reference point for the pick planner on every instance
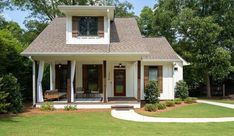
(88, 26)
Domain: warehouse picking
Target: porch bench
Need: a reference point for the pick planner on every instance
(53, 94)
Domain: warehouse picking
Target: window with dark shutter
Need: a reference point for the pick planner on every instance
(87, 26)
(154, 73)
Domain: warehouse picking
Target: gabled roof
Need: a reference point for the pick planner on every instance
(159, 49)
(125, 38)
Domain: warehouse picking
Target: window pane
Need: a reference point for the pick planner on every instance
(153, 74)
(83, 26)
(93, 26)
(92, 78)
(88, 26)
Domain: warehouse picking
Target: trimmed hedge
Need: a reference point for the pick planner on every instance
(161, 106)
(150, 107)
(181, 90)
(152, 93)
(170, 103)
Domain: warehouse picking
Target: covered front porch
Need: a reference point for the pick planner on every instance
(84, 82)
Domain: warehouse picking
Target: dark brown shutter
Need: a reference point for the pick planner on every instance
(100, 78)
(160, 78)
(75, 21)
(84, 77)
(146, 75)
(101, 26)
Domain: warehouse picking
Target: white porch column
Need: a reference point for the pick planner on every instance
(39, 80)
(52, 76)
(34, 82)
(73, 68)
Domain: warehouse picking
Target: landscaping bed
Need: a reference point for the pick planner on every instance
(190, 111)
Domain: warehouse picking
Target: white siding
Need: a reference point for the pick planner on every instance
(168, 79)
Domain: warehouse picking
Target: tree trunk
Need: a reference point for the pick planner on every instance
(208, 85)
(223, 90)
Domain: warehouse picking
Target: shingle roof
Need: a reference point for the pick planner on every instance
(125, 37)
(159, 49)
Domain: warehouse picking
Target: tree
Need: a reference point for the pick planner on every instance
(123, 9)
(48, 10)
(200, 34)
(199, 31)
(145, 21)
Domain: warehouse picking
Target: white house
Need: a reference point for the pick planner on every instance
(99, 61)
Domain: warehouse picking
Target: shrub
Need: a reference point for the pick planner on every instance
(181, 90)
(170, 103)
(150, 107)
(11, 95)
(190, 100)
(47, 106)
(70, 108)
(161, 106)
(152, 93)
(3, 104)
(178, 101)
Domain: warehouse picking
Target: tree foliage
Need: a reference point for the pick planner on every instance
(145, 21)
(11, 95)
(202, 33)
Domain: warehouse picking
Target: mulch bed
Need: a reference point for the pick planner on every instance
(142, 110)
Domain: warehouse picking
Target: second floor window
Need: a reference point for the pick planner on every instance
(88, 26)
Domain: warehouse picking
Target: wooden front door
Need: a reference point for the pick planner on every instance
(120, 82)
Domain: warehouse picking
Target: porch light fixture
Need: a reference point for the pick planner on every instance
(60, 65)
(120, 65)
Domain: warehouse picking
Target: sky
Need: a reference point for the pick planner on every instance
(19, 16)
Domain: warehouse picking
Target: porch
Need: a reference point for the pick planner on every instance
(87, 84)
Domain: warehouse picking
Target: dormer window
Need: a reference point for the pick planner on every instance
(87, 26)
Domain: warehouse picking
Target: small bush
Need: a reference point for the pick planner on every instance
(161, 106)
(190, 100)
(178, 101)
(181, 90)
(47, 106)
(3, 104)
(70, 108)
(194, 99)
(152, 93)
(12, 96)
(170, 103)
(150, 107)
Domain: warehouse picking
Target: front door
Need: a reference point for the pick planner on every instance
(119, 82)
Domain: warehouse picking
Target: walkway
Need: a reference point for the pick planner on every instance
(231, 106)
(131, 115)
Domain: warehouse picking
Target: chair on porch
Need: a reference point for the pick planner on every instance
(79, 93)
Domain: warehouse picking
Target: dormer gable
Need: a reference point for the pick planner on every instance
(88, 24)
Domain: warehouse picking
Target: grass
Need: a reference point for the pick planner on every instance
(102, 124)
(194, 111)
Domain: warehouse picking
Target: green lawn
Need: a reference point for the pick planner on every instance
(193, 111)
(102, 124)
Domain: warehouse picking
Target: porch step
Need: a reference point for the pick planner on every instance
(122, 107)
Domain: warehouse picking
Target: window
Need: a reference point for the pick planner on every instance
(153, 73)
(92, 73)
(88, 26)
